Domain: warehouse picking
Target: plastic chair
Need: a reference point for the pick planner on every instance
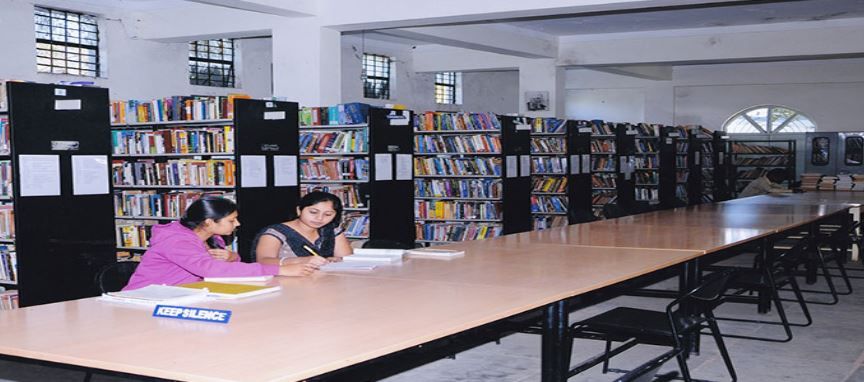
(115, 276)
(687, 315)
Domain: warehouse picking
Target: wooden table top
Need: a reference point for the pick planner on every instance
(810, 197)
(325, 322)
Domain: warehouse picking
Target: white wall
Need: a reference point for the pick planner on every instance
(485, 91)
(831, 92)
(132, 69)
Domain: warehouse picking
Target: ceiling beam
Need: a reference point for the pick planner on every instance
(294, 8)
(501, 39)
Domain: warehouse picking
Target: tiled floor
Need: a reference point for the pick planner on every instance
(832, 349)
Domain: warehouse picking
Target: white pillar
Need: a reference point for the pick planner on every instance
(542, 75)
(307, 63)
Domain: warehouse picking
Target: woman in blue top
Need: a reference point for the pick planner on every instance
(315, 230)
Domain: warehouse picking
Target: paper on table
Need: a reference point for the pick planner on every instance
(89, 174)
(383, 167)
(253, 171)
(284, 170)
(40, 175)
(512, 166)
(335, 267)
(404, 167)
(525, 169)
(157, 294)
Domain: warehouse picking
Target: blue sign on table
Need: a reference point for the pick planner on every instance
(189, 313)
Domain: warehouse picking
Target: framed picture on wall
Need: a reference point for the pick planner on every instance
(537, 101)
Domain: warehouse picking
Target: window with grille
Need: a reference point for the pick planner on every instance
(376, 76)
(769, 119)
(66, 42)
(447, 87)
(211, 63)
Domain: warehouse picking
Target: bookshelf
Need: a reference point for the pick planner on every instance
(668, 155)
(700, 184)
(8, 256)
(549, 173)
(647, 163)
(750, 159)
(60, 144)
(625, 137)
(721, 166)
(356, 152)
(604, 166)
(579, 187)
(683, 158)
(466, 166)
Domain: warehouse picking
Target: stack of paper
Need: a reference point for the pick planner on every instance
(435, 253)
(347, 266)
(231, 291)
(375, 256)
(153, 295)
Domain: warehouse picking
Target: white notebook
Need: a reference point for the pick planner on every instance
(435, 253)
(378, 252)
(157, 294)
(372, 259)
(348, 266)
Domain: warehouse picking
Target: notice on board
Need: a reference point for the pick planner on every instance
(40, 175)
(284, 170)
(89, 174)
(253, 171)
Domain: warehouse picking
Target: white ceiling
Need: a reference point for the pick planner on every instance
(748, 13)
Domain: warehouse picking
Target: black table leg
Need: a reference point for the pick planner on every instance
(555, 346)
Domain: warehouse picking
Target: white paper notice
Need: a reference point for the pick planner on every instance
(574, 165)
(284, 170)
(274, 115)
(253, 171)
(89, 174)
(404, 167)
(383, 167)
(525, 165)
(512, 166)
(67, 104)
(40, 175)
(586, 163)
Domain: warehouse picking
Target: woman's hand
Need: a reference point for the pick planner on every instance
(297, 269)
(223, 255)
(317, 260)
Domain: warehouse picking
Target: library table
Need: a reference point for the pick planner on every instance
(326, 322)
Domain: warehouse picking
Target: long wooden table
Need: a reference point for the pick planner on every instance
(327, 322)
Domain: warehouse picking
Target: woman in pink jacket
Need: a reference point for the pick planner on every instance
(188, 250)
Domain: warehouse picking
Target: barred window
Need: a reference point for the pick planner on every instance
(66, 42)
(376, 76)
(211, 63)
(448, 87)
(769, 119)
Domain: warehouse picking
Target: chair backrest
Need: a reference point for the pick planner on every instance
(115, 276)
(613, 210)
(385, 244)
(704, 297)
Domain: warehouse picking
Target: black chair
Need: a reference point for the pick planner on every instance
(685, 316)
(766, 278)
(115, 276)
(578, 216)
(386, 244)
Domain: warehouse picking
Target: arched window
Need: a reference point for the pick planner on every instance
(769, 119)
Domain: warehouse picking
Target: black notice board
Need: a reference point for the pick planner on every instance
(391, 199)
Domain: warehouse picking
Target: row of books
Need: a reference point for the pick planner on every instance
(646, 146)
(602, 164)
(549, 184)
(682, 147)
(548, 145)
(349, 194)
(603, 197)
(478, 143)
(602, 128)
(681, 192)
(133, 234)
(458, 166)
(680, 161)
(5, 146)
(604, 180)
(434, 121)
(549, 165)
(173, 141)
(763, 161)
(334, 142)
(603, 146)
(177, 108)
(8, 300)
(342, 114)
(456, 231)
(543, 203)
(544, 222)
(356, 225)
(651, 177)
(549, 125)
(7, 221)
(647, 194)
(457, 210)
(8, 263)
(334, 169)
(742, 148)
(150, 203)
(812, 182)
(681, 176)
(707, 147)
(646, 130)
(5, 178)
(646, 161)
(174, 172)
(458, 188)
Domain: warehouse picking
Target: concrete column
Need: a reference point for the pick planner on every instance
(542, 75)
(307, 63)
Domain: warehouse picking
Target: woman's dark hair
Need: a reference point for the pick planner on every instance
(777, 175)
(207, 207)
(316, 197)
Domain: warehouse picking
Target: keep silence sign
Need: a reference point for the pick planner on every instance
(195, 314)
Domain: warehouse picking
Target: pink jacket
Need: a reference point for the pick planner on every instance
(177, 256)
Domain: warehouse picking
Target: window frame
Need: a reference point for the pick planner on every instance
(768, 128)
(195, 62)
(448, 81)
(58, 48)
(386, 65)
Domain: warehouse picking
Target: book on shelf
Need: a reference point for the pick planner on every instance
(174, 172)
(603, 146)
(458, 166)
(149, 203)
(229, 291)
(599, 127)
(469, 144)
(8, 299)
(5, 133)
(435, 253)
(549, 125)
(334, 142)
(356, 224)
(549, 184)
(458, 188)
(176, 108)
(342, 114)
(334, 169)
(547, 145)
(198, 140)
(6, 178)
(746, 148)
(542, 203)
(544, 222)
(7, 221)
(8, 263)
(153, 295)
(456, 231)
(549, 165)
(349, 194)
(443, 122)
(447, 209)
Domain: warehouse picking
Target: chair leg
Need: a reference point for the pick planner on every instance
(842, 267)
(782, 313)
(801, 302)
(606, 360)
(682, 364)
(721, 345)
(88, 376)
